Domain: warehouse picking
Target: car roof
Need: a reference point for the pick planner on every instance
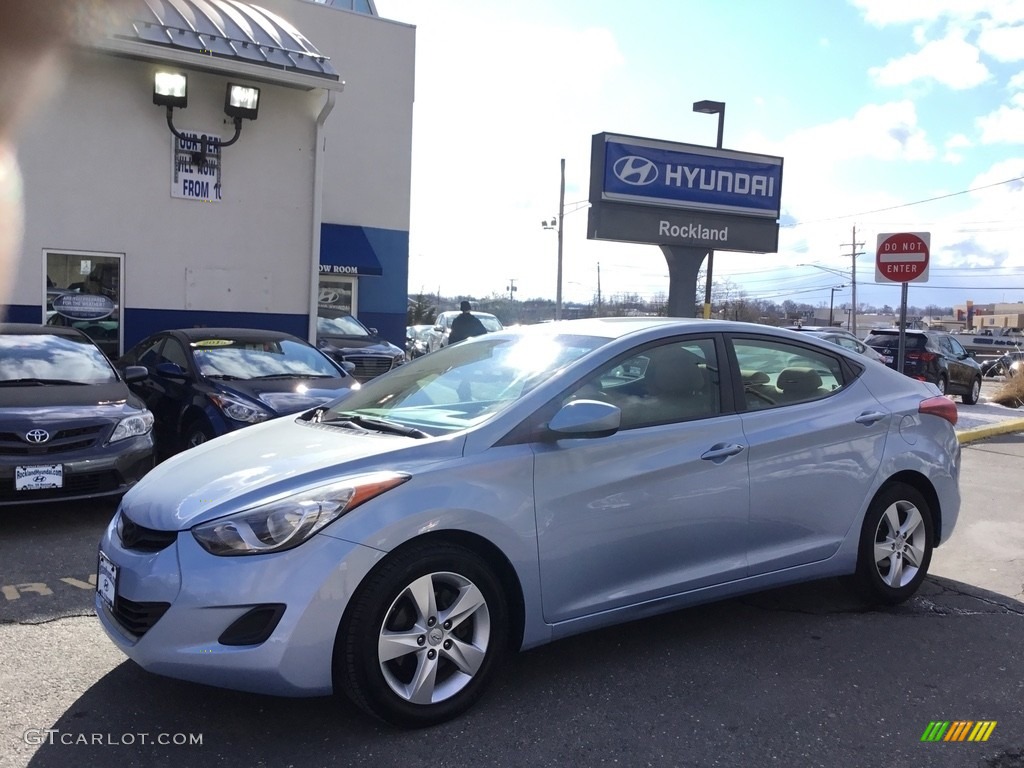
(34, 329)
(237, 334)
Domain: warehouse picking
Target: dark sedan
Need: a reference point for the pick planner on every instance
(69, 426)
(206, 382)
(347, 340)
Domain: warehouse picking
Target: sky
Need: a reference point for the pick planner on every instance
(891, 116)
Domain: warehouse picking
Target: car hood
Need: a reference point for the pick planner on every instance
(275, 458)
(283, 397)
(102, 397)
(355, 344)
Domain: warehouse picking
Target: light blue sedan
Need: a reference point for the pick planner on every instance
(518, 488)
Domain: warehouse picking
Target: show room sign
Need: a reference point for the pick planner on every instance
(193, 176)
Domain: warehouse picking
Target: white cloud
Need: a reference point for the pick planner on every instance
(1003, 43)
(1004, 126)
(885, 12)
(953, 143)
(951, 61)
(1016, 82)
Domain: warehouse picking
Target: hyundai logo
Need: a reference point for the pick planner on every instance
(637, 171)
(37, 435)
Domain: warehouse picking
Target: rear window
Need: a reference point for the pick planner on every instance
(892, 340)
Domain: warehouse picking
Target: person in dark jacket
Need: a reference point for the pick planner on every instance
(465, 325)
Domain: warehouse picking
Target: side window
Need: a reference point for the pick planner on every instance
(777, 373)
(173, 353)
(663, 384)
(958, 350)
(149, 354)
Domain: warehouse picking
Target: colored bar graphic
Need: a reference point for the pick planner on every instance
(958, 730)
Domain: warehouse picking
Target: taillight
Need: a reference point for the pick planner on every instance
(940, 406)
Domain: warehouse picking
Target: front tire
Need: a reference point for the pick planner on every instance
(895, 545)
(196, 433)
(423, 635)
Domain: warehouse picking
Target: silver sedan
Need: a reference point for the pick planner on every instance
(519, 488)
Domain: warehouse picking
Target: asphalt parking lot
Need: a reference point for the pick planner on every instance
(800, 676)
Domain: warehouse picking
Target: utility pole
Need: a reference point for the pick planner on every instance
(512, 289)
(854, 253)
(599, 289)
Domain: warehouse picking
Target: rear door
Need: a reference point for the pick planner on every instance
(815, 438)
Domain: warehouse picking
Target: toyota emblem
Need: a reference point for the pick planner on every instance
(37, 435)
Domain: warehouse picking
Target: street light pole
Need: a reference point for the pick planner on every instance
(710, 108)
(561, 218)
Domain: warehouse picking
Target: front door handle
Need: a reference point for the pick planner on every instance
(721, 451)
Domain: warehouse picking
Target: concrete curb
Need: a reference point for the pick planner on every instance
(980, 433)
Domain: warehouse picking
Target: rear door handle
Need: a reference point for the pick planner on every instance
(870, 417)
(721, 451)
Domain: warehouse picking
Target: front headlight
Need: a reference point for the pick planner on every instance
(286, 523)
(132, 426)
(240, 410)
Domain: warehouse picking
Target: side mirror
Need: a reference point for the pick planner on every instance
(171, 371)
(585, 418)
(134, 373)
(349, 367)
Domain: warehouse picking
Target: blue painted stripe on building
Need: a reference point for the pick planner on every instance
(22, 313)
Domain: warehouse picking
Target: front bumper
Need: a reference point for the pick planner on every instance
(198, 596)
(107, 471)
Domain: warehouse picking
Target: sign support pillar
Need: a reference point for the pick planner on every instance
(683, 265)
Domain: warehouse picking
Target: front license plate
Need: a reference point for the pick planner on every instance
(38, 477)
(106, 580)
(887, 359)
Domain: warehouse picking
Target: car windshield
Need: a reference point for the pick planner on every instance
(490, 322)
(50, 359)
(465, 384)
(346, 325)
(255, 359)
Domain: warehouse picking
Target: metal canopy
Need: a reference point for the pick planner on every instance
(226, 35)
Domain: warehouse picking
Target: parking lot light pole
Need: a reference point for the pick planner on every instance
(710, 108)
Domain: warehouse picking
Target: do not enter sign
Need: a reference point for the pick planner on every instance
(902, 257)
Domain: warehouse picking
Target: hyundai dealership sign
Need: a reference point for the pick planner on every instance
(663, 193)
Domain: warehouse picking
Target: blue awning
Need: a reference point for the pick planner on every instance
(346, 249)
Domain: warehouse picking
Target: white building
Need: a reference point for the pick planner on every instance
(311, 202)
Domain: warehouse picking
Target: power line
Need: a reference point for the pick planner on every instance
(905, 205)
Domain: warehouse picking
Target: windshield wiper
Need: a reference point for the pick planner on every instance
(293, 376)
(41, 382)
(223, 377)
(380, 425)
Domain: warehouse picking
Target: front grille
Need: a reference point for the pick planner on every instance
(368, 366)
(63, 441)
(87, 483)
(138, 618)
(138, 537)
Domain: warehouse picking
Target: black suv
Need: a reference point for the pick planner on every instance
(932, 356)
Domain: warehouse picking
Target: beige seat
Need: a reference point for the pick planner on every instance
(799, 384)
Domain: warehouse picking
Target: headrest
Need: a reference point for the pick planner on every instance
(756, 377)
(798, 380)
(676, 371)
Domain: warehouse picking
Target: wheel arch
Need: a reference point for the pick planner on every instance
(923, 486)
(504, 571)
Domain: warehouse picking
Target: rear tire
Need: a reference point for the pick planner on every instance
(895, 545)
(971, 398)
(423, 635)
(942, 384)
